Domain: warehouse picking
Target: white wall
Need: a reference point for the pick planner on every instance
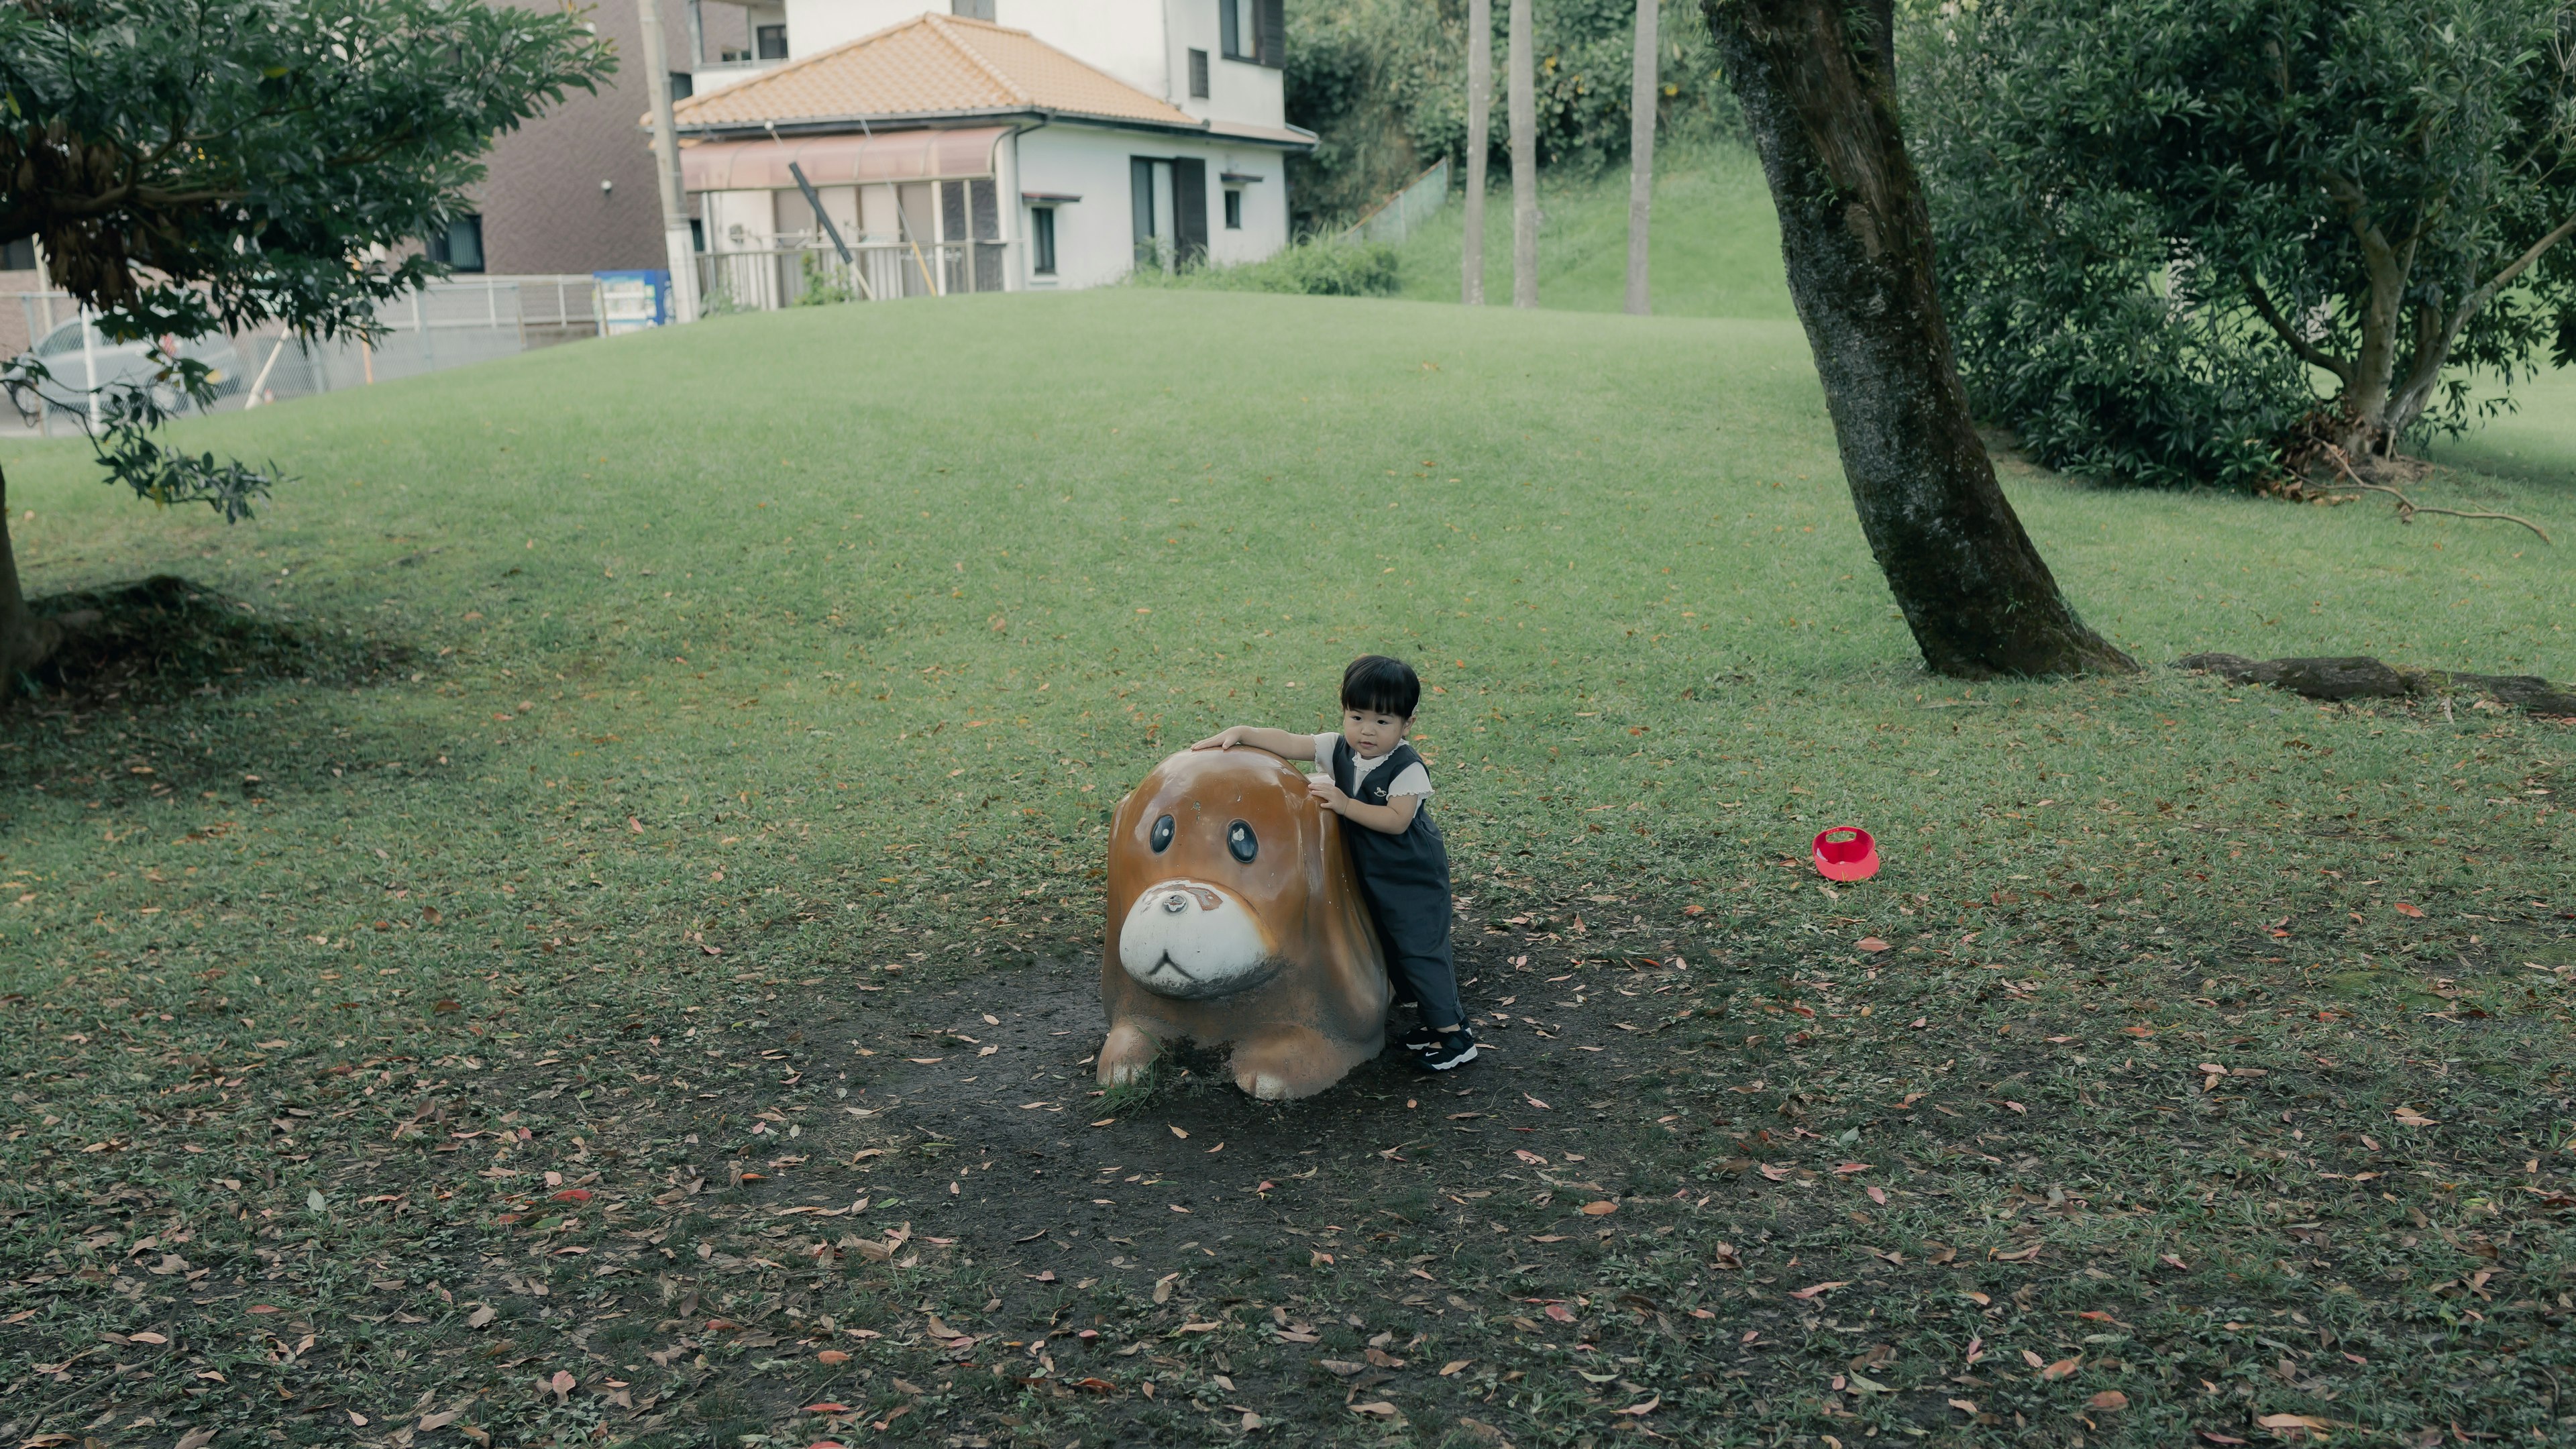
(1096, 237)
(1142, 42)
(1238, 90)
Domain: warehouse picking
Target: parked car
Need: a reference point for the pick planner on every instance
(69, 368)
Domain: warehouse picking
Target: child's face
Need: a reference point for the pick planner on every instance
(1372, 733)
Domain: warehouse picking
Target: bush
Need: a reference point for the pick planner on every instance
(2186, 240)
(1315, 267)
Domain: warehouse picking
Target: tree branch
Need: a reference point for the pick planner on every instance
(2521, 264)
(2308, 352)
(2407, 508)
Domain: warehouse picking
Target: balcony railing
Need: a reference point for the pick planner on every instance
(877, 271)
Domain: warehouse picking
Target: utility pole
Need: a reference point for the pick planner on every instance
(1524, 120)
(1480, 133)
(1642, 95)
(682, 252)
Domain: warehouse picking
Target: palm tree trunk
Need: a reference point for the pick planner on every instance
(1480, 132)
(1817, 80)
(1524, 121)
(1643, 93)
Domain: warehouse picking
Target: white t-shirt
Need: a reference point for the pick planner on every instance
(1414, 781)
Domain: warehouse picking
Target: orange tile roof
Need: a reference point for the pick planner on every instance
(929, 65)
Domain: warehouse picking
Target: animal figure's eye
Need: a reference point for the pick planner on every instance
(1161, 838)
(1240, 840)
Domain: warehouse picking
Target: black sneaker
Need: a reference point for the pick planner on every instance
(1419, 1038)
(1453, 1050)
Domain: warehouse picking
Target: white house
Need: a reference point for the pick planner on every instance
(1010, 145)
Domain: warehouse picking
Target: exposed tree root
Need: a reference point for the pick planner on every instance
(2359, 676)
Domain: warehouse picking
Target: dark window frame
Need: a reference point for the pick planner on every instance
(1234, 208)
(442, 248)
(1042, 241)
(1198, 75)
(972, 9)
(19, 255)
(1270, 37)
(762, 35)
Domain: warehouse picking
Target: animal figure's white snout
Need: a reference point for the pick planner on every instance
(1193, 941)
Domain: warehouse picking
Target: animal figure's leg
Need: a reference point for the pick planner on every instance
(1279, 1062)
(1126, 1054)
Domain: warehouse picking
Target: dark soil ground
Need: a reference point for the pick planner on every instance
(1712, 1184)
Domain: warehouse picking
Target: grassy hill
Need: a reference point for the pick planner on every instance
(696, 739)
(1716, 241)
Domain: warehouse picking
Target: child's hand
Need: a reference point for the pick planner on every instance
(1225, 741)
(1324, 792)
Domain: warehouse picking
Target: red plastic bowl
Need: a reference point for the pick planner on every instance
(1854, 856)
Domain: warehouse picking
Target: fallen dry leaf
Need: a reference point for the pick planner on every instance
(2063, 1368)
(1647, 1407)
(2403, 909)
(1453, 1365)
(2108, 1399)
(1380, 1408)
(1811, 1292)
(832, 1355)
(1871, 944)
(1599, 1209)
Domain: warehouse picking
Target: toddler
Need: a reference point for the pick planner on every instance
(1374, 780)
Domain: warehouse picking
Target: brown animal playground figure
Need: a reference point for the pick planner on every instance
(1234, 917)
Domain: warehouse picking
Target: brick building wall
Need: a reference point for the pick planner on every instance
(544, 209)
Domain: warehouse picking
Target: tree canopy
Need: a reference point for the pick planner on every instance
(2179, 237)
(189, 165)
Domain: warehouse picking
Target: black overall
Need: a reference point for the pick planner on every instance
(1405, 880)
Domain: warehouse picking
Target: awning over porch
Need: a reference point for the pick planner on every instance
(918, 155)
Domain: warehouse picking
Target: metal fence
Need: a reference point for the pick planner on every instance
(761, 281)
(1394, 219)
(452, 323)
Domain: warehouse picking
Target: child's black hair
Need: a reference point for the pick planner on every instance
(1381, 685)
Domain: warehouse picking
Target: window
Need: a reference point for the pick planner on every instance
(1234, 211)
(19, 255)
(461, 246)
(1042, 239)
(1253, 30)
(771, 42)
(971, 9)
(1198, 75)
(683, 85)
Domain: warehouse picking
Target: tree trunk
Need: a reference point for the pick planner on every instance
(1480, 132)
(25, 640)
(1820, 97)
(1524, 121)
(1643, 92)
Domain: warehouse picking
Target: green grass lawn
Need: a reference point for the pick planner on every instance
(733, 719)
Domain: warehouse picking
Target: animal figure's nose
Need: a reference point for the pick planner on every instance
(1176, 902)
